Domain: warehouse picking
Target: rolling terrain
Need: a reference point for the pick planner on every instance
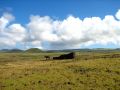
(90, 70)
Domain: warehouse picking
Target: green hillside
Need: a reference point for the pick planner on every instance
(34, 50)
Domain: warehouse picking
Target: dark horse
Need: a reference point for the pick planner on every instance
(66, 56)
(47, 57)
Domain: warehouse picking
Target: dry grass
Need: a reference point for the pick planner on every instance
(18, 71)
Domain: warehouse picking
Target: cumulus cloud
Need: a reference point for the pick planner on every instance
(11, 34)
(5, 20)
(72, 32)
(118, 14)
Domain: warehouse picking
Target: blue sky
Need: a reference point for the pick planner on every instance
(22, 9)
(59, 10)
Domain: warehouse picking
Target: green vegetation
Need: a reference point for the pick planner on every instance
(88, 71)
(34, 50)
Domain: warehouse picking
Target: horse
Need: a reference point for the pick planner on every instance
(47, 57)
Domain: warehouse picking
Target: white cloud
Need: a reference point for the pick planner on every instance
(11, 34)
(16, 32)
(118, 14)
(5, 20)
(72, 32)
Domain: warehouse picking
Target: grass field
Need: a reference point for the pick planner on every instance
(88, 71)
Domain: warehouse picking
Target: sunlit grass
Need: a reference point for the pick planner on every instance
(28, 71)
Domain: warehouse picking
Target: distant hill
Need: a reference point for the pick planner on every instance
(87, 50)
(16, 50)
(34, 50)
(11, 50)
(70, 50)
(31, 50)
(4, 50)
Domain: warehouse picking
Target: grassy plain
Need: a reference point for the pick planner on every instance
(88, 71)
